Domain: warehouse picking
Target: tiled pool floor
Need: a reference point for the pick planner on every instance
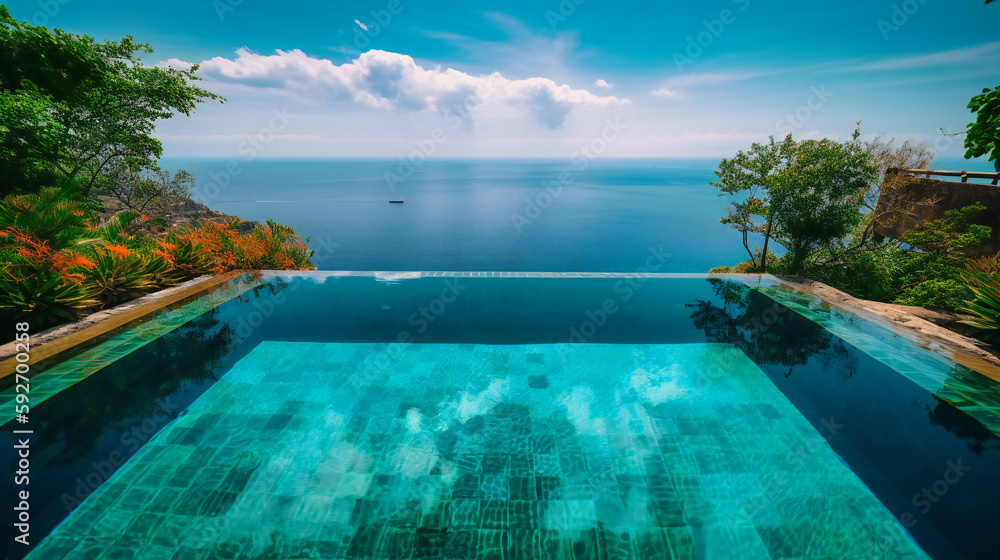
(477, 451)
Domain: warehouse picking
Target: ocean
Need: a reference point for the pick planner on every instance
(658, 215)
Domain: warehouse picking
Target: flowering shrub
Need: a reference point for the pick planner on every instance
(274, 247)
(57, 263)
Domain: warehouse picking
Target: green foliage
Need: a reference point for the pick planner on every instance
(890, 273)
(817, 198)
(43, 298)
(119, 275)
(71, 106)
(806, 196)
(983, 136)
(871, 273)
(952, 234)
(983, 278)
(746, 179)
(773, 264)
(48, 216)
(934, 293)
(189, 259)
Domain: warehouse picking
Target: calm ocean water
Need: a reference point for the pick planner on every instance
(501, 215)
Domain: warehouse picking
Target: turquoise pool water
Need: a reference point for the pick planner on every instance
(409, 415)
(474, 451)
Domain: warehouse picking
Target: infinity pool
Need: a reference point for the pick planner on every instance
(570, 416)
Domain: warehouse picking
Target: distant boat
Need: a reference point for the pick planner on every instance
(400, 201)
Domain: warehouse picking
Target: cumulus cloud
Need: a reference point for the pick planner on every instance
(395, 81)
(602, 83)
(664, 92)
(175, 63)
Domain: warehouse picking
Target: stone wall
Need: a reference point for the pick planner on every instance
(920, 200)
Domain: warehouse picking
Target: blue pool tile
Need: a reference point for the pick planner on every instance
(626, 452)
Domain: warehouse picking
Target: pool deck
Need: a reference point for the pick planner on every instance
(899, 319)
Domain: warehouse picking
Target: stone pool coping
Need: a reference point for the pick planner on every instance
(906, 322)
(955, 347)
(56, 340)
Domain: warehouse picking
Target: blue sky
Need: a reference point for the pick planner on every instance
(546, 78)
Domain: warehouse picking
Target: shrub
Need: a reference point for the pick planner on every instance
(983, 278)
(275, 247)
(187, 259)
(119, 274)
(43, 298)
(774, 264)
(46, 216)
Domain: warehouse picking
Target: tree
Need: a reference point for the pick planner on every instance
(816, 201)
(141, 190)
(71, 106)
(748, 177)
(885, 154)
(983, 136)
(806, 196)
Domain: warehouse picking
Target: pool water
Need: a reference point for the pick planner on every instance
(469, 451)
(449, 417)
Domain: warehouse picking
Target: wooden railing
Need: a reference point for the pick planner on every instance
(965, 175)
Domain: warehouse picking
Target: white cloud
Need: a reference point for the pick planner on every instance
(175, 63)
(664, 92)
(977, 54)
(395, 81)
(601, 83)
(361, 25)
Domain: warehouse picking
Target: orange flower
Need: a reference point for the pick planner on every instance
(300, 245)
(119, 250)
(166, 246)
(74, 278)
(76, 259)
(165, 256)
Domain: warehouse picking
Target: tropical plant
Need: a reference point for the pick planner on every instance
(187, 259)
(42, 298)
(119, 274)
(983, 278)
(48, 216)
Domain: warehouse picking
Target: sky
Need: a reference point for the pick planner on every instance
(552, 78)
